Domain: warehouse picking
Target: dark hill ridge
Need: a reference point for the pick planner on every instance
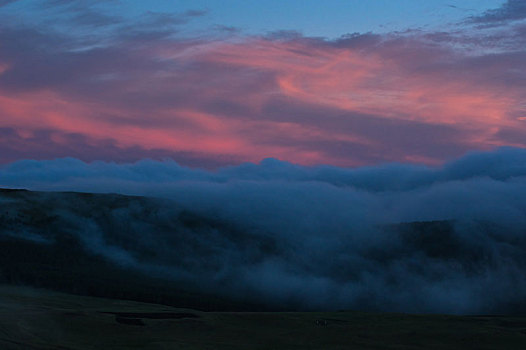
(41, 245)
(152, 250)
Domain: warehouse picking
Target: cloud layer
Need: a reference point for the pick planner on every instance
(312, 237)
(511, 10)
(95, 86)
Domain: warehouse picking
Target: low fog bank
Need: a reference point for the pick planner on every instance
(300, 237)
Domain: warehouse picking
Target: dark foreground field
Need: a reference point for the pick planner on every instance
(106, 271)
(39, 319)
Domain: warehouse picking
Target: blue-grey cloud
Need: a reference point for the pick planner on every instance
(511, 10)
(311, 237)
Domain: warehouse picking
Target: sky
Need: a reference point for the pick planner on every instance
(215, 83)
(315, 125)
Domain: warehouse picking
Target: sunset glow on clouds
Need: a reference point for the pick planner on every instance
(123, 95)
(382, 168)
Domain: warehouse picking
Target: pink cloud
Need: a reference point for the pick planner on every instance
(303, 100)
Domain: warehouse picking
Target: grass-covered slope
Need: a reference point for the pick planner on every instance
(44, 243)
(38, 319)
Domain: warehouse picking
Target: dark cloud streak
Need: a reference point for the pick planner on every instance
(6, 2)
(512, 10)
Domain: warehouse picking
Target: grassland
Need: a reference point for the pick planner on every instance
(33, 318)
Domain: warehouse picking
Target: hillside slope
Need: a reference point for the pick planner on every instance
(155, 250)
(38, 319)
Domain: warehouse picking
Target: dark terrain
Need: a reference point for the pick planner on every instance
(38, 319)
(106, 271)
